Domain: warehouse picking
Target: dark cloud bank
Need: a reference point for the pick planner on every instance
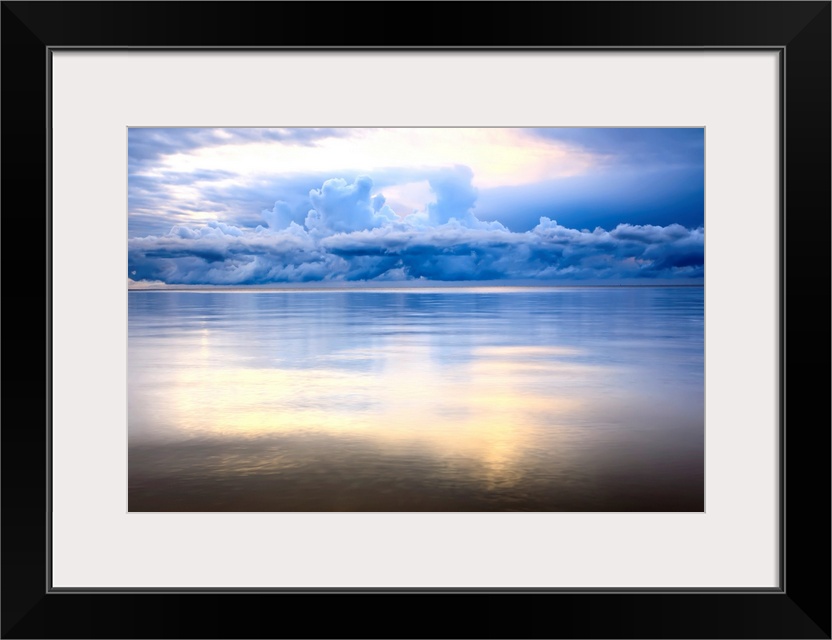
(351, 235)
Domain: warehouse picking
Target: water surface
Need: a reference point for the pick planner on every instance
(489, 399)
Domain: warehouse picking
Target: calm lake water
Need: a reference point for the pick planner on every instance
(481, 399)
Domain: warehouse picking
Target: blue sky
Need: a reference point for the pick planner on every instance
(260, 206)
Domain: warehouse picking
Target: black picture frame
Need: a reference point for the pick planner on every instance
(799, 608)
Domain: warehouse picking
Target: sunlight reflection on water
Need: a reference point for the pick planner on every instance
(421, 400)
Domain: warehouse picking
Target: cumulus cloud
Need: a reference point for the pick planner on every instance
(455, 196)
(341, 207)
(351, 235)
(279, 216)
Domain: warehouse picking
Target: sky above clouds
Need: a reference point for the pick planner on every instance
(259, 206)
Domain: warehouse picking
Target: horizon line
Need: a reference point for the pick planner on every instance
(400, 286)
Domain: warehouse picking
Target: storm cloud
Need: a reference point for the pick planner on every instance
(351, 235)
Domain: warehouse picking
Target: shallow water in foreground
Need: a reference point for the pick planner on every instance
(493, 399)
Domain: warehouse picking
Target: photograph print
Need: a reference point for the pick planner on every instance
(416, 319)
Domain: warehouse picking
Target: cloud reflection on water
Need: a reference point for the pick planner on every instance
(375, 404)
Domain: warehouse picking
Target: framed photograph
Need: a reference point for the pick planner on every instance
(539, 316)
